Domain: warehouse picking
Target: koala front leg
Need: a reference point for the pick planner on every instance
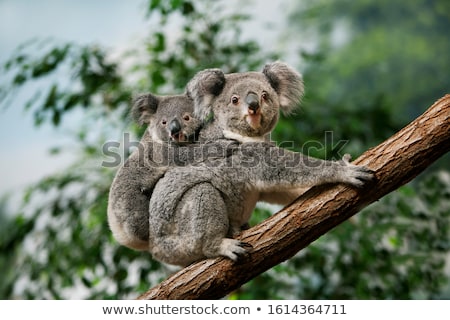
(280, 170)
(316, 172)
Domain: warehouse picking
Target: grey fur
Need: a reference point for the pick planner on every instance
(128, 206)
(195, 210)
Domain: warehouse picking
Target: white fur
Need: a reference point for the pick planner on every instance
(243, 139)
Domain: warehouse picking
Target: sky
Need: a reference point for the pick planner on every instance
(115, 24)
(25, 149)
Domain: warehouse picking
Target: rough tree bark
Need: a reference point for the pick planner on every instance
(395, 161)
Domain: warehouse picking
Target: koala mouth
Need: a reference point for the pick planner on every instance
(254, 120)
(179, 137)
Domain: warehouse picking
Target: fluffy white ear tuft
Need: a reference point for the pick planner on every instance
(144, 107)
(203, 88)
(287, 82)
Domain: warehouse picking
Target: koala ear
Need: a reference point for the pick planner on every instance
(287, 82)
(203, 88)
(144, 106)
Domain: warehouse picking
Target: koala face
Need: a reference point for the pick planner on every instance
(246, 104)
(169, 118)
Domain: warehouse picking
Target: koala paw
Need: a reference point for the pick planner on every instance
(355, 175)
(233, 249)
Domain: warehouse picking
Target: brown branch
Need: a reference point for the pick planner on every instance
(395, 161)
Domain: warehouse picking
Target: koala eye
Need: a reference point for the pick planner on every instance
(186, 117)
(265, 96)
(235, 100)
(164, 122)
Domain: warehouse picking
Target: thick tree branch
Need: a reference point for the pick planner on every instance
(395, 161)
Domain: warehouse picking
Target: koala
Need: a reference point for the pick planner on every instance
(171, 125)
(196, 210)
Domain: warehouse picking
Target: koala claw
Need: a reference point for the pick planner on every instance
(347, 158)
(245, 245)
(357, 176)
(362, 176)
(233, 249)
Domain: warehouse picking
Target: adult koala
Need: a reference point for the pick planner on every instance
(195, 210)
(171, 127)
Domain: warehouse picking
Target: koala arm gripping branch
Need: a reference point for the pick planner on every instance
(270, 168)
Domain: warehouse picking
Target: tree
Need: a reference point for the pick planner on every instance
(60, 240)
(395, 162)
(364, 63)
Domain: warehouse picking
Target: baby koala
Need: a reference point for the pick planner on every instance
(171, 125)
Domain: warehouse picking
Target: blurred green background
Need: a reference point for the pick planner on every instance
(370, 67)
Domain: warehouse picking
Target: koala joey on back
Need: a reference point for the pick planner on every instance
(171, 125)
(196, 210)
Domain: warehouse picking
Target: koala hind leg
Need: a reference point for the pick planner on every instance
(200, 231)
(212, 209)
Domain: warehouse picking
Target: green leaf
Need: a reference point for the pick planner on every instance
(188, 8)
(19, 79)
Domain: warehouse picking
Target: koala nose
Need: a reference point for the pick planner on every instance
(253, 101)
(174, 127)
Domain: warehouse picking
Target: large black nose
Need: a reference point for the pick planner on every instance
(174, 127)
(252, 101)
